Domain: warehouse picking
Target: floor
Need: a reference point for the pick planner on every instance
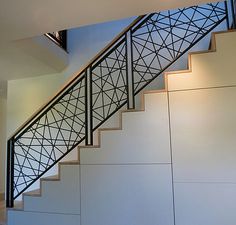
(2, 213)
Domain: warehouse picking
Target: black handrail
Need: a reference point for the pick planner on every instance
(111, 80)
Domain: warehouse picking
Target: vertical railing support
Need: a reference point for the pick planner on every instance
(232, 5)
(227, 15)
(88, 108)
(10, 174)
(129, 71)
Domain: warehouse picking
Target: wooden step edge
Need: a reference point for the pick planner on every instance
(131, 110)
(50, 178)
(88, 146)
(147, 92)
(34, 193)
(109, 129)
(71, 162)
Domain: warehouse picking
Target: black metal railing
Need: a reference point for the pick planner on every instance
(110, 81)
(59, 37)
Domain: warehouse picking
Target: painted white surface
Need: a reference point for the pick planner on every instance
(58, 194)
(29, 218)
(126, 194)
(25, 96)
(203, 135)
(144, 137)
(205, 204)
(31, 57)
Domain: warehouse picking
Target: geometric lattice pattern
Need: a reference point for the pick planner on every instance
(109, 84)
(164, 36)
(156, 42)
(51, 136)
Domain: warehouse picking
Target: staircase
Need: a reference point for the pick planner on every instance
(143, 161)
(166, 159)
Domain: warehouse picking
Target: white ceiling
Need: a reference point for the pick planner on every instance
(28, 18)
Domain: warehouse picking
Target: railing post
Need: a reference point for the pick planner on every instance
(129, 71)
(10, 174)
(232, 4)
(227, 15)
(88, 107)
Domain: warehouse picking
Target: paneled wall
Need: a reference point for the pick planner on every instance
(203, 129)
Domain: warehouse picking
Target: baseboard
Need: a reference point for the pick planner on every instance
(2, 196)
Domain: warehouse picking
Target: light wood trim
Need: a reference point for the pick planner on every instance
(79, 72)
(2, 196)
(72, 162)
(35, 193)
(51, 178)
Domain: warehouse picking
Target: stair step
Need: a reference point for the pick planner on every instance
(72, 162)
(35, 193)
(51, 178)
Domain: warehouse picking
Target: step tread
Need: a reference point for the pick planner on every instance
(72, 162)
(36, 192)
(51, 178)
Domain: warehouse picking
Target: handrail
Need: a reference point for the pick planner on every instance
(109, 81)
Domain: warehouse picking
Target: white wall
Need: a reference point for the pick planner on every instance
(3, 109)
(203, 128)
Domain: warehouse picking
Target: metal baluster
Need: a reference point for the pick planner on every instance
(129, 71)
(227, 15)
(232, 5)
(88, 107)
(10, 173)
